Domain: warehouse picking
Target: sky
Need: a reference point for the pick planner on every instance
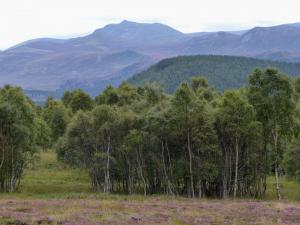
(22, 20)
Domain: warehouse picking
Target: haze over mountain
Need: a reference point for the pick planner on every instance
(117, 51)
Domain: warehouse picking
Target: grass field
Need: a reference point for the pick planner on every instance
(53, 194)
(50, 179)
(290, 189)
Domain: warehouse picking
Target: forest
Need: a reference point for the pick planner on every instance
(222, 72)
(195, 142)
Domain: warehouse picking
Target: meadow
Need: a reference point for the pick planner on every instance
(52, 193)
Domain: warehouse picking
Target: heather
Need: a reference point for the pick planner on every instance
(147, 211)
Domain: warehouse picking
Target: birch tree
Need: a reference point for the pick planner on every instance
(271, 94)
(234, 117)
(17, 132)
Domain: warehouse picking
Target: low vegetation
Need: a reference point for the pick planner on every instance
(148, 211)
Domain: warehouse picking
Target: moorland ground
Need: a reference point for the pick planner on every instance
(50, 193)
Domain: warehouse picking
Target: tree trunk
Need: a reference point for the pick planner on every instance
(128, 178)
(141, 171)
(169, 189)
(174, 189)
(276, 164)
(200, 189)
(12, 176)
(277, 183)
(2, 161)
(225, 175)
(190, 165)
(107, 181)
(2, 140)
(230, 172)
(236, 167)
(266, 168)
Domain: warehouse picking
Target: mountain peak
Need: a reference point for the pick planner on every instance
(124, 22)
(133, 32)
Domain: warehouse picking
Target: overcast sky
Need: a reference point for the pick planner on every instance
(22, 20)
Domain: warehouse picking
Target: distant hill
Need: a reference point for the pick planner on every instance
(277, 38)
(131, 34)
(253, 42)
(115, 52)
(108, 55)
(223, 72)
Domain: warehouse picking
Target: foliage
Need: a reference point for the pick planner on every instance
(240, 140)
(17, 132)
(271, 94)
(43, 133)
(292, 160)
(77, 100)
(56, 116)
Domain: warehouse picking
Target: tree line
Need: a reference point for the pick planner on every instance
(196, 142)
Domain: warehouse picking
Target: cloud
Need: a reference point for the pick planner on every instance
(21, 20)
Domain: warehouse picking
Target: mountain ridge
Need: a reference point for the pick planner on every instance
(117, 51)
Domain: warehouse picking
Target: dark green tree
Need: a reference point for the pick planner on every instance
(57, 116)
(78, 100)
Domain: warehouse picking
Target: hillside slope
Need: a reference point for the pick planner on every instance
(223, 72)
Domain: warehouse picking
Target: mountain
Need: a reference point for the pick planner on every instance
(40, 43)
(117, 51)
(130, 34)
(108, 55)
(294, 24)
(213, 43)
(254, 42)
(223, 72)
(277, 38)
(284, 56)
